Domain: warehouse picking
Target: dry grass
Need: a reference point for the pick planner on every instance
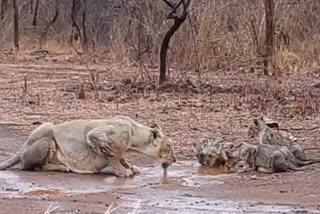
(218, 36)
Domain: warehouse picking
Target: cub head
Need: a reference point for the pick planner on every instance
(260, 123)
(208, 152)
(160, 147)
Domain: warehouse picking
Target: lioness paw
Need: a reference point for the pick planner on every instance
(135, 169)
(125, 173)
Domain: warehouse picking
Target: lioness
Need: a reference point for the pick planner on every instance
(88, 146)
(267, 135)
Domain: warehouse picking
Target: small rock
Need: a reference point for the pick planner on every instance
(253, 177)
(187, 195)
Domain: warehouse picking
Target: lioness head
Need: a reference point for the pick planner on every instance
(160, 147)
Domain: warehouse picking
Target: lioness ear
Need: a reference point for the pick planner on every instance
(155, 133)
(155, 126)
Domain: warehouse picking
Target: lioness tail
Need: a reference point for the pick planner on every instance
(9, 163)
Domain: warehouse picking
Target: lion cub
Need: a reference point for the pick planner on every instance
(265, 158)
(267, 135)
(211, 152)
(242, 157)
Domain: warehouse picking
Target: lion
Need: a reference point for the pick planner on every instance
(254, 130)
(264, 158)
(210, 153)
(89, 146)
(267, 135)
(244, 157)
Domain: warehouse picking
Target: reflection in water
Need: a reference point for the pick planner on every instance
(46, 192)
(202, 170)
(50, 183)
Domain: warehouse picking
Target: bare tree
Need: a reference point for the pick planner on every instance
(4, 5)
(84, 28)
(15, 24)
(269, 54)
(35, 13)
(76, 31)
(53, 20)
(178, 20)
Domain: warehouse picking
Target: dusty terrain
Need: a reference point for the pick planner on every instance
(40, 89)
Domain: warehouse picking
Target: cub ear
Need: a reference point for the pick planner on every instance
(195, 143)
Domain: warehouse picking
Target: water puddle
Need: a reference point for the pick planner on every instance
(180, 192)
(42, 184)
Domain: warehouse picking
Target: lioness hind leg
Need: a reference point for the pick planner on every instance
(38, 153)
(127, 165)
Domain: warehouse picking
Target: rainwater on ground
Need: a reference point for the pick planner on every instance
(188, 188)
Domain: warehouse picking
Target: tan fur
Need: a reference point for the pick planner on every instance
(88, 146)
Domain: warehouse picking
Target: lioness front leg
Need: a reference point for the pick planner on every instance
(118, 168)
(108, 141)
(127, 165)
(54, 167)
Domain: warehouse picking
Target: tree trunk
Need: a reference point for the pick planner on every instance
(35, 14)
(4, 5)
(269, 54)
(84, 28)
(53, 20)
(76, 33)
(178, 20)
(164, 49)
(15, 24)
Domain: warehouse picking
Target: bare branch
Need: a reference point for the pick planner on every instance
(168, 3)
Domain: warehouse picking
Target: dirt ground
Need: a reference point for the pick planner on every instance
(49, 89)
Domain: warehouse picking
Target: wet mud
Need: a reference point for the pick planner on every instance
(188, 188)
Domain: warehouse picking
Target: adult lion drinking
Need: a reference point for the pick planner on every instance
(88, 146)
